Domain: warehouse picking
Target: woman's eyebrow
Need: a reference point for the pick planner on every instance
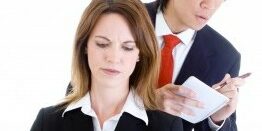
(129, 41)
(103, 37)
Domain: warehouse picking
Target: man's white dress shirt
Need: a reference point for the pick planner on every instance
(180, 52)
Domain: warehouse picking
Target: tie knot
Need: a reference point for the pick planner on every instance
(171, 41)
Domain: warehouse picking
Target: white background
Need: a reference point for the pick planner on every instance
(36, 38)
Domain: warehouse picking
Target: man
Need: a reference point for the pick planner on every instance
(201, 52)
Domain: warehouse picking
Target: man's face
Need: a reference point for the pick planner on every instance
(192, 14)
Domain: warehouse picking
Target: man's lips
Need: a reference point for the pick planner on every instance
(203, 17)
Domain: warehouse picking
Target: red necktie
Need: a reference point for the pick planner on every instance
(167, 63)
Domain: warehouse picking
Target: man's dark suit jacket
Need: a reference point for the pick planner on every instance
(50, 119)
(209, 59)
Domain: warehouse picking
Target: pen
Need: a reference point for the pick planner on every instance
(242, 76)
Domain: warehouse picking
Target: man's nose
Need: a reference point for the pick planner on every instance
(210, 4)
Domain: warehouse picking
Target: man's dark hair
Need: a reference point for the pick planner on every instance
(162, 4)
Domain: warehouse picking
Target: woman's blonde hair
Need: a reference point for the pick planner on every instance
(145, 75)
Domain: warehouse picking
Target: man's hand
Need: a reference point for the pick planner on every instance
(175, 99)
(230, 90)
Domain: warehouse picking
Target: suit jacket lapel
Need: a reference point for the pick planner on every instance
(197, 62)
(152, 10)
(128, 122)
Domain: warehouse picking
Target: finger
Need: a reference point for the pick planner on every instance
(185, 96)
(175, 108)
(164, 92)
(170, 107)
(228, 87)
(232, 84)
(238, 81)
(183, 91)
(225, 79)
(182, 100)
(172, 112)
(233, 101)
(231, 94)
(162, 96)
(232, 104)
(185, 110)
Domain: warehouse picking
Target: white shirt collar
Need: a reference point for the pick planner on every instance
(133, 105)
(161, 28)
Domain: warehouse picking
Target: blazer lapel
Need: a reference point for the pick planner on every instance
(127, 122)
(77, 121)
(152, 10)
(197, 62)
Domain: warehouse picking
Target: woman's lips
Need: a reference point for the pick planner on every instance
(109, 71)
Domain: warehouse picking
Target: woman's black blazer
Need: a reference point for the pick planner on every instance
(50, 119)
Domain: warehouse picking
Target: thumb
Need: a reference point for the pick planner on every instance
(226, 77)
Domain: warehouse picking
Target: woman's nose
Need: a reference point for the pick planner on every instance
(113, 55)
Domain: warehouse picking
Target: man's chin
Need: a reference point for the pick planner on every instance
(198, 27)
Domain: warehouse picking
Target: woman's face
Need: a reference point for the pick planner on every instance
(112, 51)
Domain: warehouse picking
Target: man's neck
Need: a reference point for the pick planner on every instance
(173, 22)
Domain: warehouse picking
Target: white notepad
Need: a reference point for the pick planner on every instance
(213, 100)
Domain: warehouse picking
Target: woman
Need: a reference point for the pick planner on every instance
(114, 74)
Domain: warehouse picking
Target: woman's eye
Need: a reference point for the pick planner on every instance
(101, 45)
(128, 48)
